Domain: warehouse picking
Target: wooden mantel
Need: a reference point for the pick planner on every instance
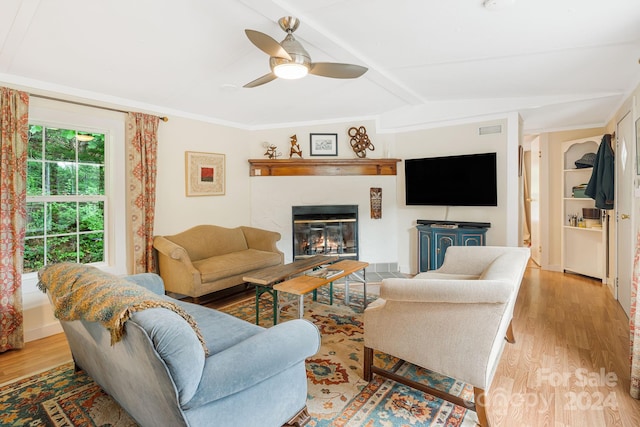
(327, 167)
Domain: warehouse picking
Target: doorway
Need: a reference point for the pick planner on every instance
(531, 194)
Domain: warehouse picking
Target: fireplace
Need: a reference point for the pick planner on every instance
(325, 230)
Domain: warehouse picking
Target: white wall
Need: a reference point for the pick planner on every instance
(175, 212)
(272, 197)
(454, 140)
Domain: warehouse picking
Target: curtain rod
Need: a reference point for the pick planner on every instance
(50, 98)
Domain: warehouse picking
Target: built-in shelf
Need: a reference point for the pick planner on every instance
(326, 167)
(583, 250)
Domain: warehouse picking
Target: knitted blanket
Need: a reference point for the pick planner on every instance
(82, 292)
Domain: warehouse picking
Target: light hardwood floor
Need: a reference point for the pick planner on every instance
(568, 367)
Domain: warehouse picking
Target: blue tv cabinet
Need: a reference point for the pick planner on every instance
(434, 237)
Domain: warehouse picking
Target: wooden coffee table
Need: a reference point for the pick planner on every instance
(265, 278)
(304, 284)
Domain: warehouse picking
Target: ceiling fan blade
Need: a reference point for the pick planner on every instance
(267, 44)
(261, 80)
(337, 70)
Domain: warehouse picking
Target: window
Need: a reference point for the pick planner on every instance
(66, 199)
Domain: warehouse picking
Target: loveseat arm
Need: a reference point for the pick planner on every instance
(175, 266)
(256, 359)
(263, 240)
(447, 291)
(172, 250)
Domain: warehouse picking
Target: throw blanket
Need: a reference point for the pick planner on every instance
(82, 292)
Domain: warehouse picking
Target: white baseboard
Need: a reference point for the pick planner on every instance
(612, 287)
(552, 267)
(39, 321)
(42, 331)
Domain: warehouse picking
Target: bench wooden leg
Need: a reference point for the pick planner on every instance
(509, 336)
(480, 398)
(367, 363)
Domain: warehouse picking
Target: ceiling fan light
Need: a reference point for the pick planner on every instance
(84, 137)
(290, 71)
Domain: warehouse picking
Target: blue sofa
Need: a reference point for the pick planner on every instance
(159, 372)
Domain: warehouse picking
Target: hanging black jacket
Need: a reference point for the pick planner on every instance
(601, 185)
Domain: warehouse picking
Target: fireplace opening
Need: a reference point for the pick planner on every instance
(325, 230)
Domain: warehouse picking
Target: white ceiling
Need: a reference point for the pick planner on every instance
(561, 64)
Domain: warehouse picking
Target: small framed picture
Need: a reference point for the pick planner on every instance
(323, 144)
(204, 174)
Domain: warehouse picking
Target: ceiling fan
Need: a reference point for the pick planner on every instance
(289, 60)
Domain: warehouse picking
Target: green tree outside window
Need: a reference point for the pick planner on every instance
(66, 198)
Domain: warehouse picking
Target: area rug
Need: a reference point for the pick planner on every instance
(337, 394)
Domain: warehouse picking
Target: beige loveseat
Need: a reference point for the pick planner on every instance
(209, 258)
(453, 320)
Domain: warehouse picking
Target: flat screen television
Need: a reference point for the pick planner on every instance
(465, 180)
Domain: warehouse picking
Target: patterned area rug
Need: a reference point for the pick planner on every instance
(337, 395)
(59, 397)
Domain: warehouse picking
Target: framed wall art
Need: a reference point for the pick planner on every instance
(323, 144)
(205, 174)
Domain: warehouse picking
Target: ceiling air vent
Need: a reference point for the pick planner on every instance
(487, 130)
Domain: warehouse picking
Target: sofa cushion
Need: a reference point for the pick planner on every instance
(220, 330)
(222, 266)
(204, 241)
(446, 291)
(178, 346)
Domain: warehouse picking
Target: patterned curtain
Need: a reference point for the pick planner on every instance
(634, 321)
(142, 144)
(14, 126)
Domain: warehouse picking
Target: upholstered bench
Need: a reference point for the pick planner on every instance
(453, 321)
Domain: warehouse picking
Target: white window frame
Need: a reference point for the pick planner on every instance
(70, 116)
(74, 198)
